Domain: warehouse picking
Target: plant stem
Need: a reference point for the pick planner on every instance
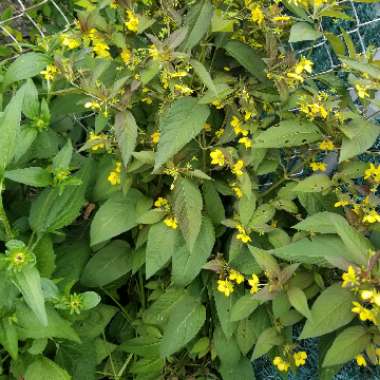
(3, 216)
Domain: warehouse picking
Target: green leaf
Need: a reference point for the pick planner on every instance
(331, 310)
(248, 58)
(63, 158)
(107, 265)
(126, 134)
(162, 243)
(9, 128)
(266, 340)
(9, 337)
(198, 22)
(289, 133)
(187, 264)
(363, 137)
(367, 68)
(350, 342)
(146, 346)
(44, 252)
(117, 215)
(52, 210)
(303, 31)
(227, 350)
(213, 204)
(31, 105)
(29, 327)
(45, 369)
(246, 208)
(314, 183)
(184, 323)
(203, 74)
(224, 309)
(188, 205)
(221, 24)
(246, 335)
(242, 370)
(28, 282)
(25, 66)
(33, 176)
(298, 300)
(178, 126)
(243, 308)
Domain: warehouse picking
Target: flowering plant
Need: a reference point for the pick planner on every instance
(180, 189)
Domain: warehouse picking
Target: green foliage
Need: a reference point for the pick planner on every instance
(177, 192)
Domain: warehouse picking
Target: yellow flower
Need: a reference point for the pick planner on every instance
(237, 168)
(226, 287)
(114, 176)
(155, 137)
(237, 191)
(219, 133)
(300, 358)
(96, 141)
(364, 314)
(126, 55)
(133, 22)
(349, 278)
(318, 166)
(69, 42)
(281, 18)
(236, 125)
(93, 105)
(366, 295)
(360, 360)
(236, 276)
(371, 217)
(254, 284)
(326, 145)
(218, 104)
(217, 157)
(372, 172)
(281, 364)
(207, 127)
(295, 76)
(242, 235)
(50, 72)
(101, 49)
(247, 142)
(171, 222)
(178, 74)
(183, 89)
(361, 91)
(341, 203)
(257, 15)
(303, 65)
(160, 202)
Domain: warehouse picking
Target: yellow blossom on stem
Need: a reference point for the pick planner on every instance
(160, 202)
(300, 358)
(237, 127)
(242, 235)
(281, 18)
(304, 65)
(219, 133)
(226, 287)
(236, 276)
(326, 145)
(350, 278)
(364, 313)
(360, 360)
(257, 15)
(318, 166)
(247, 142)
(126, 55)
(281, 364)
(70, 42)
(155, 137)
(361, 91)
(341, 203)
(101, 49)
(254, 284)
(93, 105)
(183, 89)
(237, 168)
(114, 176)
(96, 141)
(371, 217)
(171, 222)
(50, 72)
(217, 157)
(132, 23)
(366, 295)
(237, 190)
(373, 173)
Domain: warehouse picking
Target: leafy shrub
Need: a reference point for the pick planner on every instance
(180, 189)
